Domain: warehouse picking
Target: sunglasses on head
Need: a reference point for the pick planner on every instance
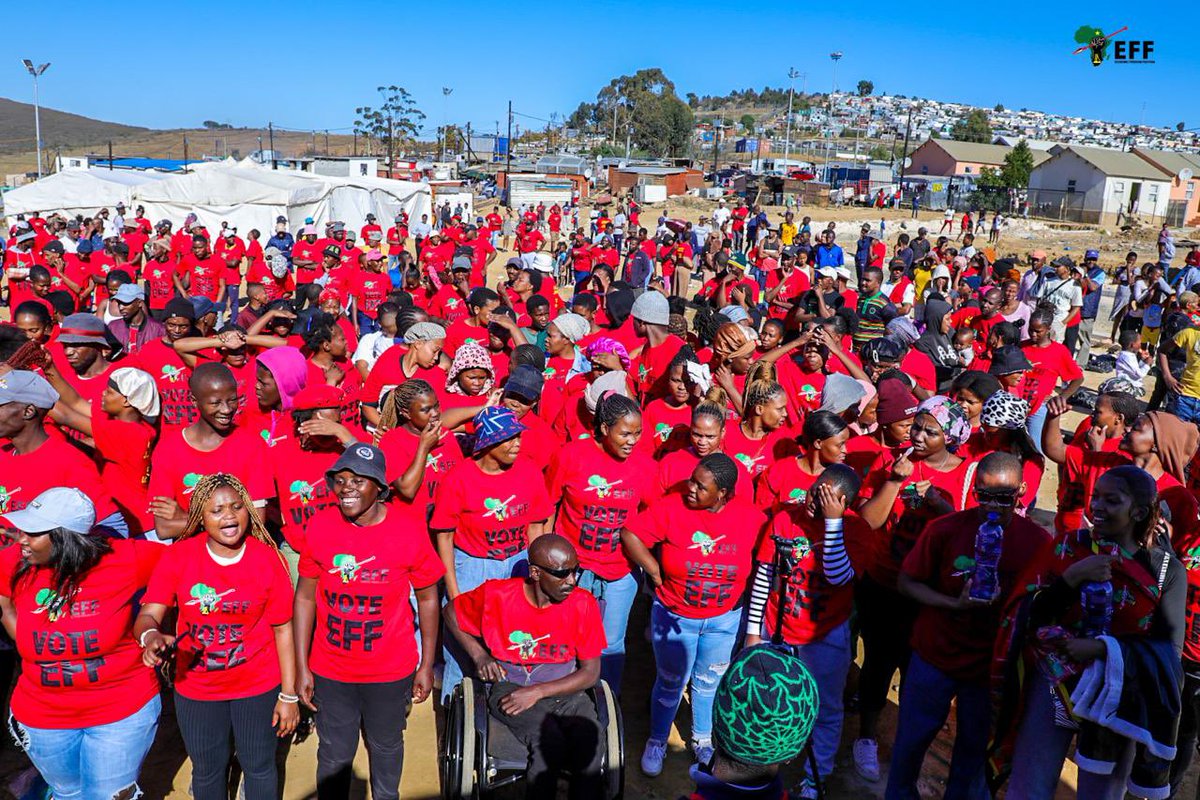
(561, 574)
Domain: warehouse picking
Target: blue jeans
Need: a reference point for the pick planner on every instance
(1184, 407)
(93, 763)
(1035, 425)
(616, 598)
(924, 707)
(828, 660)
(688, 649)
(471, 572)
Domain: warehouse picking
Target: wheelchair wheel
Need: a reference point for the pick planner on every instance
(458, 760)
(614, 735)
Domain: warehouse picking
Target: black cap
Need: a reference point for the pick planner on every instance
(1007, 360)
(364, 460)
(333, 251)
(180, 307)
(525, 382)
(54, 247)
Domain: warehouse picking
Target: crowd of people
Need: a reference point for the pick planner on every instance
(318, 479)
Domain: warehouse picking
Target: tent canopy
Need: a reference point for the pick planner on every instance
(78, 191)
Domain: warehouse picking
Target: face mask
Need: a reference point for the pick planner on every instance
(279, 266)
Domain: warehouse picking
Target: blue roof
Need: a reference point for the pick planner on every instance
(168, 164)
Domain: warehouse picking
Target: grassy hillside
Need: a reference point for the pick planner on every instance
(59, 129)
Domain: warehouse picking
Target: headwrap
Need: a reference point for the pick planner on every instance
(609, 383)
(470, 356)
(139, 389)
(424, 332)
(290, 370)
(765, 707)
(1004, 410)
(733, 341)
(902, 330)
(840, 393)
(572, 326)
(949, 416)
(604, 345)
(1176, 442)
(493, 425)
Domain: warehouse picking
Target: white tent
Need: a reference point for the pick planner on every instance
(79, 191)
(248, 196)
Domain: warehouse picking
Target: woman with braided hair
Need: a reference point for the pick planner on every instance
(760, 438)
(706, 436)
(235, 679)
(598, 483)
(822, 442)
(697, 550)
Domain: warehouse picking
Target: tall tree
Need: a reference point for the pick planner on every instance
(1018, 163)
(865, 88)
(748, 121)
(645, 103)
(974, 127)
(393, 124)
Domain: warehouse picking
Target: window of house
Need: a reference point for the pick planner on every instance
(1152, 195)
(1118, 187)
(1070, 187)
(1191, 190)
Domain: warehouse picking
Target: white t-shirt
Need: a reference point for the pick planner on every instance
(720, 216)
(371, 346)
(949, 216)
(1063, 294)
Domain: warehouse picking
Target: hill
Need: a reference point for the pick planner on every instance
(60, 129)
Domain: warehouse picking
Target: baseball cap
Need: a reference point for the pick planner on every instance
(464, 263)
(60, 507)
(827, 272)
(54, 247)
(27, 388)
(525, 382)
(1092, 254)
(316, 396)
(280, 219)
(333, 251)
(364, 460)
(180, 307)
(82, 329)
(128, 293)
(1038, 254)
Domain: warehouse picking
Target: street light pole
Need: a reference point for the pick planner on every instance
(836, 55)
(37, 115)
(787, 136)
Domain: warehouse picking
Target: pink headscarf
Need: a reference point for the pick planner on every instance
(470, 356)
(290, 370)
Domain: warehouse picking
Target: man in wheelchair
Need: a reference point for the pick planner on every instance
(537, 641)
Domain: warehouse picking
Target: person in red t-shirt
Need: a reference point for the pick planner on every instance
(235, 675)
(485, 513)
(420, 357)
(538, 641)
(200, 274)
(355, 654)
(955, 633)
(705, 540)
(85, 707)
(827, 547)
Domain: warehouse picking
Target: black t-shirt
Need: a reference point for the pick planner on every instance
(833, 301)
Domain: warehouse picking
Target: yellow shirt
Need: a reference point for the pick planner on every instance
(1188, 341)
(787, 232)
(921, 276)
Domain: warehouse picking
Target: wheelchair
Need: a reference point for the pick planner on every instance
(480, 754)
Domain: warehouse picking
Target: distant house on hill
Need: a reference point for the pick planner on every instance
(949, 157)
(1095, 185)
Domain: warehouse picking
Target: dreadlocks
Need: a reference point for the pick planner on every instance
(205, 489)
(395, 410)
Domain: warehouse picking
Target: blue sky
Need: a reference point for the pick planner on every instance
(307, 65)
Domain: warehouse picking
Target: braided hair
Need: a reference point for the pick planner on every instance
(529, 354)
(395, 410)
(707, 408)
(611, 409)
(205, 489)
(821, 425)
(723, 469)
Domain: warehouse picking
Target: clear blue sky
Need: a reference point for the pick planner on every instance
(308, 65)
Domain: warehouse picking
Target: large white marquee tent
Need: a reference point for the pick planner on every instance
(78, 191)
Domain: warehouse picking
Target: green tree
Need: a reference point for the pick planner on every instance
(974, 127)
(879, 153)
(1018, 163)
(865, 88)
(646, 102)
(748, 121)
(998, 108)
(582, 117)
(394, 124)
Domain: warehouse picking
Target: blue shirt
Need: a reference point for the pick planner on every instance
(1091, 300)
(830, 256)
(1188, 277)
(284, 242)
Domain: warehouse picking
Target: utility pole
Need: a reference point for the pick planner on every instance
(271, 137)
(716, 144)
(446, 90)
(469, 155)
(110, 164)
(36, 72)
(904, 151)
(508, 161)
(185, 155)
(628, 136)
(327, 142)
(787, 136)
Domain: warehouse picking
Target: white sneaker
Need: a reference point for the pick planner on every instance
(702, 749)
(652, 758)
(807, 791)
(866, 758)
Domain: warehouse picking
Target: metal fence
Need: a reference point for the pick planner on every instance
(1060, 205)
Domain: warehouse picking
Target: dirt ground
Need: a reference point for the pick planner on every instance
(166, 773)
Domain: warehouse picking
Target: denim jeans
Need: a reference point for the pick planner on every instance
(828, 660)
(686, 649)
(924, 707)
(616, 598)
(366, 324)
(1035, 424)
(1185, 407)
(471, 572)
(94, 763)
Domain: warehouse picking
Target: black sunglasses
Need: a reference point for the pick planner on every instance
(561, 574)
(996, 496)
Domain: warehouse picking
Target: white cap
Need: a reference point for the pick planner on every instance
(542, 262)
(827, 272)
(940, 271)
(844, 272)
(60, 507)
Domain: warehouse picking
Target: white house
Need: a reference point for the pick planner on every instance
(1093, 184)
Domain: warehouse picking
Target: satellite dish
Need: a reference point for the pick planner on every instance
(1185, 174)
(907, 163)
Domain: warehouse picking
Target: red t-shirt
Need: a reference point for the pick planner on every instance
(538, 443)
(491, 514)
(388, 373)
(598, 494)
(1049, 364)
(364, 577)
(123, 450)
(159, 278)
(464, 332)
(176, 466)
(756, 456)
(959, 643)
(517, 632)
(80, 664)
(783, 484)
(795, 284)
(529, 241)
(399, 448)
(303, 251)
(55, 462)
(674, 470)
(664, 427)
(448, 304)
(230, 252)
(705, 556)
(919, 367)
(300, 485)
(865, 453)
(171, 375)
(370, 291)
(205, 275)
(813, 607)
(652, 364)
(226, 645)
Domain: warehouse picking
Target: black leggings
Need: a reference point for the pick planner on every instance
(1189, 721)
(380, 711)
(209, 727)
(885, 619)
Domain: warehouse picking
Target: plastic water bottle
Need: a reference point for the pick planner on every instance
(1096, 599)
(985, 583)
